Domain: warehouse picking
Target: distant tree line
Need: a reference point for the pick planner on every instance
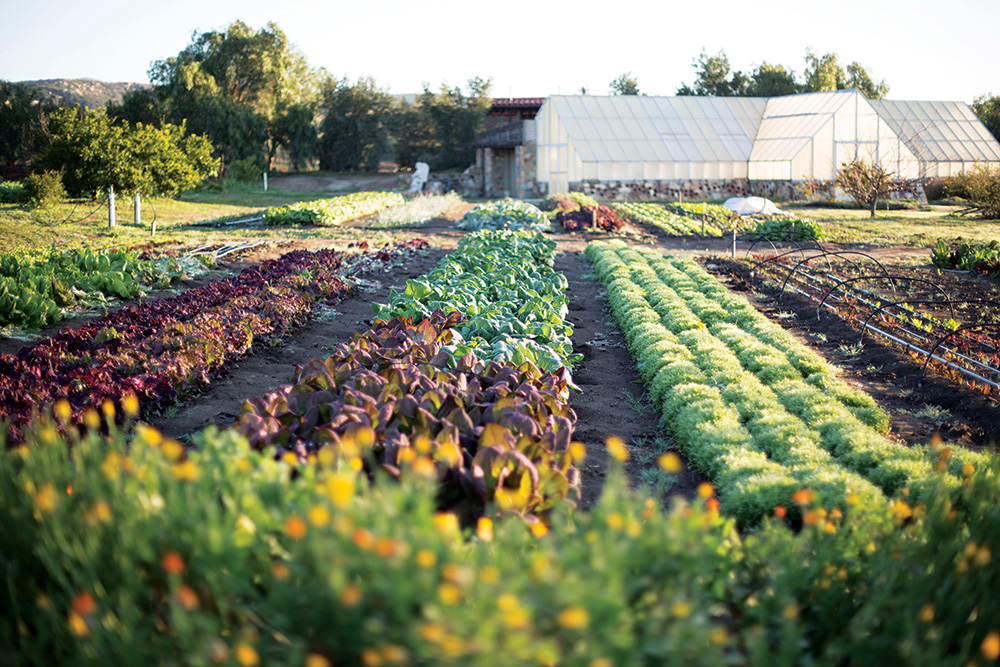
(252, 96)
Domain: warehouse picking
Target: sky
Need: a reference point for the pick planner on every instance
(924, 49)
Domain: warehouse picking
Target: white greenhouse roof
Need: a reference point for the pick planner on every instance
(939, 131)
(789, 123)
(639, 128)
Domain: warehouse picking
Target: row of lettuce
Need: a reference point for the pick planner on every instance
(376, 536)
(161, 350)
(752, 408)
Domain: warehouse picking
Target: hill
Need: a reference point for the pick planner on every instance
(87, 92)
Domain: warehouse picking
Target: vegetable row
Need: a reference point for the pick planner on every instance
(159, 350)
(513, 300)
(670, 222)
(37, 285)
(596, 218)
(505, 214)
(333, 211)
(752, 408)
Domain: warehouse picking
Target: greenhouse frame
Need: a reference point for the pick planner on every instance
(646, 147)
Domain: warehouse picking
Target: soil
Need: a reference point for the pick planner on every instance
(612, 400)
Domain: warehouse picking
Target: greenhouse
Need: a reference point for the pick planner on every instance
(645, 147)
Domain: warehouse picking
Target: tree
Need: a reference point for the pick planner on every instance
(355, 127)
(769, 80)
(295, 131)
(867, 181)
(241, 72)
(23, 123)
(141, 105)
(982, 185)
(987, 108)
(454, 116)
(94, 154)
(825, 73)
(714, 77)
(625, 84)
(411, 134)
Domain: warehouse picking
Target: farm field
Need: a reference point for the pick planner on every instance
(731, 575)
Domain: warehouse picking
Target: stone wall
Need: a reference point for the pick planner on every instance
(684, 189)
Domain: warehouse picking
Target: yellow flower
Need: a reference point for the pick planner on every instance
(432, 633)
(426, 559)
(46, 499)
(926, 613)
(149, 435)
(243, 465)
(671, 463)
(317, 660)
(173, 450)
(111, 466)
(77, 625)
(705, 490)
(62, 410)
(616, 521)
(991, 646)
(490, 574)
(983, 556)
(616, 448)
(718, 636)
(319, 516)
(247, 655)
(371, 658)
(449, 594)
(968, 469)
(791, 612)
(130, 405)
(341, 490)
(295, 527)
(573, 618)
(578, 451)
(484, 529)
(393, 654)
(539, 529)
(185, 471)
(446, 523)
(601, 662)
(681, 609)
(91, 419)
(108, 408)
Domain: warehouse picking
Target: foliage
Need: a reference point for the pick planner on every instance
(669, 221)
(236, 87)
(717, 214)
(96, 154)
(23, 123)
(417, 211)
(783, 228)
(624, 84)
(122, 548)
(587, 218)
(987, 108)
(36, 285)
(751, 407)
(866, 181)
(979, 257)
(982, 186)
(399, 390)
(44, 189)
(12, 192)
(333, 211)
(445, 124)
(246, 170)
(567, 201)
(295, 132)
(715, 77)
(514, 302)
(506, 213)
(354, 132)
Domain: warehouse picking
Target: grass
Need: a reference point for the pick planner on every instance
(77, 222)
(917, 228)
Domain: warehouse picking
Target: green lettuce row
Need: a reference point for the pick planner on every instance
(333, 211)
(506, 214)
(755, 452)
(672, 223)
(513, 301)
(823, 405)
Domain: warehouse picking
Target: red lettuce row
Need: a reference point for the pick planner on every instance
(490, 428)
(161, 349)
(588, 217)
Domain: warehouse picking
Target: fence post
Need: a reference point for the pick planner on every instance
(265, 181)
(734, 243)
(111, 207)
(136, 210)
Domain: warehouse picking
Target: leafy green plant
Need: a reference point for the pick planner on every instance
(334, 211)
(505, 214)
(12, 193)
(783, 228)
(43, 190)
(979, 257)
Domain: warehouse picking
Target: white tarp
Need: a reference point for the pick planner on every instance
(752, 206)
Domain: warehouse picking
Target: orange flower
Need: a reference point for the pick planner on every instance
(187, 598)
(803, 496)
(573, 618)
(705, 490)
(364, 539)
(991, 646)
(351, 595)
(84, 604)
(172, 563)
(539, 529)
(295, 527)
(484, 529)
(247, 655)
(712, 504)
(780, 511)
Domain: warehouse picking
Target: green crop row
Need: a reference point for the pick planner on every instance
(721, 216)
(334, 211)
(36, 285)
(753, 408)
(781, 228)
(672, 223)
(514, 302)
(506, 214)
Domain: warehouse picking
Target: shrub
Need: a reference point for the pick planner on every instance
(982, 185)
(44, 189)
(12, 193)
(246, 170)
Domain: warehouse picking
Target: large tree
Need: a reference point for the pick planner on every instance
(454, 116)
(987, 108)
(769, 80)
(23, 123)
(354, 132)
(714, 77)
(224, 77)
(825, 73)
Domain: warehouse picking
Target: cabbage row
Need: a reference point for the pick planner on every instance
(506, 214)
(751, 407)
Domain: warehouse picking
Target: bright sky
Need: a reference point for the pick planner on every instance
(924, 49)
